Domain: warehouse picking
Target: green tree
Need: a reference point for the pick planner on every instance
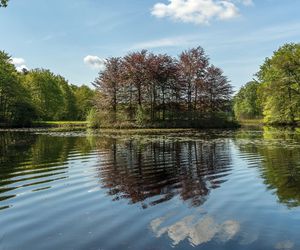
(3, 3)
(15, 106)
(69, 110)
(45, 93)
(246, 102)
(84, 97)
(280, 85)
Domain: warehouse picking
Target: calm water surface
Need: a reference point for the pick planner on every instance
(202, 190)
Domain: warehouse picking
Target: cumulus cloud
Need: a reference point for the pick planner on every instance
(246, 2)
(94, 62)
(19, 63)
(198, 11)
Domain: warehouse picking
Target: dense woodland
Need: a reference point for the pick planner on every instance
(146, 89)
(39, 95)
(275, 95)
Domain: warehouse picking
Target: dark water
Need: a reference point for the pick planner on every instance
(216, 190)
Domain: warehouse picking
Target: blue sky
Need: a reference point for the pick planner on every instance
(60, 34)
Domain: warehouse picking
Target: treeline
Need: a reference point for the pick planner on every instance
(275, 95)
(146, 89)
(39, 95)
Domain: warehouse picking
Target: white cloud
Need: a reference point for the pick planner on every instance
(19, 63)
(246, 2)
(163, 42)
(94, 62)
(21, 68)
(198, 11)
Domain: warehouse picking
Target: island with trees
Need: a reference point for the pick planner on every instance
(145, 89)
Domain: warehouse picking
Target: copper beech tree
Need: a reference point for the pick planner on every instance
(161, 88)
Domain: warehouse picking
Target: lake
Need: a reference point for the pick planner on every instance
(182, 190)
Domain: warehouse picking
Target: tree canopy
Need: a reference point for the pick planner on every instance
(280, 85)
(39, 94)
(277, 93)
(146, 88)
(246, 102)
(15, 106)
(3, 3)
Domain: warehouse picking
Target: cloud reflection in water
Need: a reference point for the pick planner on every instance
(196, 230)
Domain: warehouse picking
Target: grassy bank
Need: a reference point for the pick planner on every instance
(251, 122)
(62, 125)
(132, 127)
(260, 122)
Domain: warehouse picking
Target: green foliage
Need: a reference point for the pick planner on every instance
(246, 102)
(45, 94)
(3, 3)
(277, 94)
(142, 116)
(84, 100)
(15, 106)
(95, 119)
(39, 94)
(69, 111)
(280, 85)
(52, 95)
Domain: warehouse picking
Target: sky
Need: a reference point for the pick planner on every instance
(73, 37)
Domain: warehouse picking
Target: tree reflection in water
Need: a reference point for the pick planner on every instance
(152, 172)
(279, 150)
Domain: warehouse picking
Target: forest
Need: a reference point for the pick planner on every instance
(145, 89)
(275, 95)
(39, 95)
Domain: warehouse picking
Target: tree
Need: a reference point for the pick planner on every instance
(109, 84)
(45, 93)
(163, 74)
(161, 90)
(15, 106)
(39, 94)
(280, 85)
(3, 3)
(69, 110)
(135, 74)
(84, 98)
(193, 64)
(247, 103)
(217, 90)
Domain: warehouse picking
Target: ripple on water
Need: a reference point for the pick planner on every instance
(67, 191)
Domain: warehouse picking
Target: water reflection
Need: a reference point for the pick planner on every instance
(156, 171)
(198, 191)
(30, 162)
(196, 230)
(279, 150)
